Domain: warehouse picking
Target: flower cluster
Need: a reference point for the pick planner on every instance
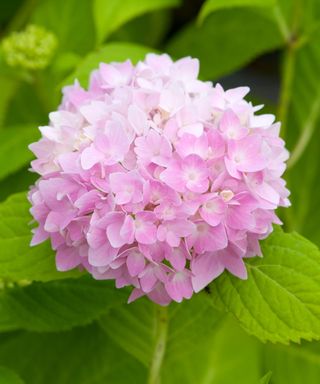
(156, 179)
(31, 49)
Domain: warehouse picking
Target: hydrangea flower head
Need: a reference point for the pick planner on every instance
(156, 179)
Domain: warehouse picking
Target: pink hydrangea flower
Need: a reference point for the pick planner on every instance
(156, 179)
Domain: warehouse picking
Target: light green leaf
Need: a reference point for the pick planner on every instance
(19, 261)
(227, 40)
(109, 15)
(157, 24)
(17, 182)
(199, 346)
(226, 355)
(9, 377)
(27, 107)
(9, 87)
(71, 21)
(303, 138)
(107, 53)
(295, 364)
(280, 301)
(57, 305)
(14, 143)
(82, 356)
(133, 326)
(215, 5)
(266, 378)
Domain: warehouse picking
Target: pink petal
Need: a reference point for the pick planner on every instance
(67, 258)
(205, 268)
(179, 286)
(135, 262)
(90, 156)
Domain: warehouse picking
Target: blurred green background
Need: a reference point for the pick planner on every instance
(273, 46)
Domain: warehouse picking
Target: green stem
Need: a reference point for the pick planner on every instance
(306, 135)
(160, 345)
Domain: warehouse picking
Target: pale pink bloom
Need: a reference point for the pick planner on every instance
(191, 174)
(153, 148)
(135, 262)
(245, 156)
(190, 145)
(138, 120)
(231, 126)
(205, 268)
(213, 209)
(118, 74)
(188, 121)
(206, 238)
(179, 285)
(127, 187)
(141, 228)
(107, 148)
(172, 231)
(157, 180)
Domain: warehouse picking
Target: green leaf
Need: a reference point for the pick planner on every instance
(227, 40)
(280, 301)
(9, 87)
(17, 182)
(109, 15)
(295, 364)
(266, 378)
(157, 24)
(107, 53)
(14, 143)
(57, 305)
(71, 21)
(199, 346)
(133, 326)
(82, 356)
(19, 261)
(9, 377)
(215, 5)
(27, 107)
(226, 355)
(303, 122)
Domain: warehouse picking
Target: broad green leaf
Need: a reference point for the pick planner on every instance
(157, 24)
(9, 87)
(27, 107)
(70, 20)
(17, 182)
(19, 261)
(107, 53)
(14, 143)
(82, 356)
(295, 364)
(8, 376)
(109, 15)
(280, 301)
(226, 355)
(303, 135)
(57, 305)
(200, 346)
(227, 40)
(266, 378)
(215, 5)
(133, 326)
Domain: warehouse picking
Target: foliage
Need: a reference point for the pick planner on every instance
(84, 328)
